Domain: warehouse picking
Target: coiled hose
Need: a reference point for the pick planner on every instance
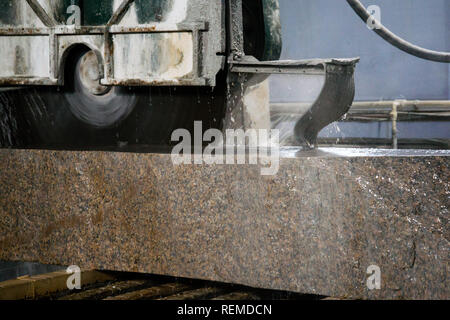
(396, 41)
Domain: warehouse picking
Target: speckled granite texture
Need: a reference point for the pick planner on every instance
(313, 228)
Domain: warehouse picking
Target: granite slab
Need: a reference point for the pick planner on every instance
(315, 227)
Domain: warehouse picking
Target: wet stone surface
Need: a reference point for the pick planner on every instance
(314, 228)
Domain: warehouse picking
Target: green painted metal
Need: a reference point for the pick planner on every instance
(272, 24)
(95, 13)
(152, 11)
(99, 12)
(7, 12)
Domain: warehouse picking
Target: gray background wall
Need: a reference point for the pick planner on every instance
(330, 28)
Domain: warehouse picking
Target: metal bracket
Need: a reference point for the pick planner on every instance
(334, 100)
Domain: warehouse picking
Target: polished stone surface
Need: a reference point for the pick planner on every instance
(315, 227)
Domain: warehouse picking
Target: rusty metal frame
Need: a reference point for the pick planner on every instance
(191, 79)
(53, 31)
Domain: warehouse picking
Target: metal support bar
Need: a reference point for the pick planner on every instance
(46, 19)
(25, 81)
(109, 60)
(315, 66)
(20, 31)
(120, 12)
(394, 116)
(376, 110)
(192, 79)
(236, 27)
(160, 27)
(53, 55)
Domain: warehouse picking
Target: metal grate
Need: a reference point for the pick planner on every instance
(129, 286)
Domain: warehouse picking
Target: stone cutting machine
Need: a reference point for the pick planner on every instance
(126, 73)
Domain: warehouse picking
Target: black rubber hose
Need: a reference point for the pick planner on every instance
(396, 41)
